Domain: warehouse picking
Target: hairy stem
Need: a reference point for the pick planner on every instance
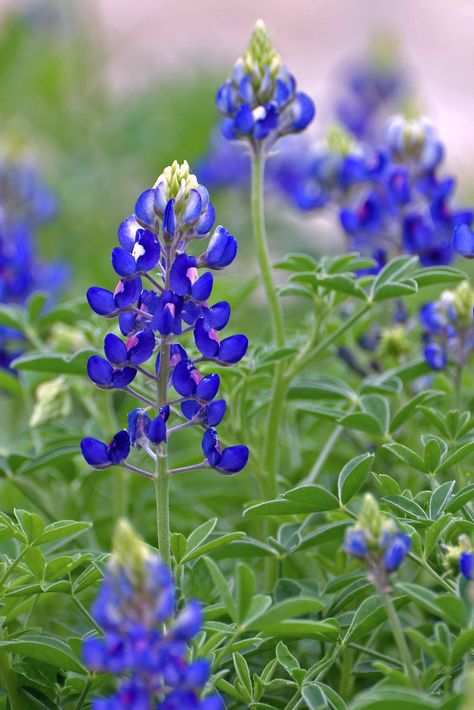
(270, 446)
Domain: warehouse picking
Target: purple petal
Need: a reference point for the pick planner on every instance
(95, 452)
(100, 371)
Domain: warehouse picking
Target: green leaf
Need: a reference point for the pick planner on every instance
(9, 383)
(55, 363)
(215, 543)
(342, 284)
(462, 645)
(222, 588)
(395, 289)
(464, 496)
(353, 476)
(45, 649)
(361, 421)
(321, 388)
(447, 607)
(243, 674)
(62, 530)
(12, 317)
(200, 534)
(335, 701)
(434, 448)
(456, 457)
(434, 275)
(394, 698)
(377, 406)
(277, 507)
(406, 455)
(287, 609)
(313, 696)
(370, 614)
(318, 499)
(286, 658)
(439, 498)
(324, 533)
(35, 305)
(410, 408)
(434, 532)
(30, 524)
(327, 630)
(407, 506)
(245, 588)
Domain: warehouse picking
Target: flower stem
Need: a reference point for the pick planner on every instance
(270, 447)
(400, 640)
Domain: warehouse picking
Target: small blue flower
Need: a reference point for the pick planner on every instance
(135, 600)
(463, 241)
(105, 376)
(109, 304)
(396, 552)
(466, 565)
(99, 455)
(221, 250)
(229, 460)
(355, 543)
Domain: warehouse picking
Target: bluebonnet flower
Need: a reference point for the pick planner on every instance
(463, 241)
(460, 558)
(370, 90)
(376, 540)
(135, 600)
(448, 325)
(405, 207)
(153, 250)
(25, 204)
(260, 101)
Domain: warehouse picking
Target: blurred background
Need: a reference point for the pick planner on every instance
(100, 95)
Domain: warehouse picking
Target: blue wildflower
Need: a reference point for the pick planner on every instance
(135, 600)
(153, 250)
(376, 540)
(448, 328)
(260, 101)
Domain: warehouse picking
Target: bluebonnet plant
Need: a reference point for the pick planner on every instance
(376, 540)
(159, 297)
(143, 639)
(370, 90)
(449, 328)
(260, 101)
(25, 204)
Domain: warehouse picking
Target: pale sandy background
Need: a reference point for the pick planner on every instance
(143, 38)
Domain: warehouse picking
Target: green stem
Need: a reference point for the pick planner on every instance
(8, 678)
(263, 254)
(400, 640)
(161, 467)
(346, 673)
(82, 698)
(13, 565)
(86, 614)
(270, 445)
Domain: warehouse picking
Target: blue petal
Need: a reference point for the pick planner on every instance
(302, 111)
(193, 207)
(123, 377)
(217, 316)
(463, 241)
(149, 259)
(466, 565)
(188, 622)
(128, 292)
(138, 423)
(101, 301)
(179, 279)
(355, 543)
(100, 371)
(205, 344)
(157, 430)
(169, 220)
(233, 349)
(144, 211)
(208, 387)
(233, 459)
(181, 378)
(123, 262)
(119, 447)
(221, 250)
(202, 288)
(243, 121)
(206, 221)
(95, 452)
(435, 356)
(142, 348)
(115, 350)
(127, 232)
(210, 446)
(190, 408)
(215, 412)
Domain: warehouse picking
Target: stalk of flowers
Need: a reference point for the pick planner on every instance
(160, 296)
(449, 328)
(25, 204)
(144, 640)
(376, 540)
(260, 104)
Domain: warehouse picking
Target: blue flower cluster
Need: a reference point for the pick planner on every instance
(260, 101)
(153, 249)
(370, 90)
(449, 328)
(142, 639)
(376, 540)
(25, 204)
